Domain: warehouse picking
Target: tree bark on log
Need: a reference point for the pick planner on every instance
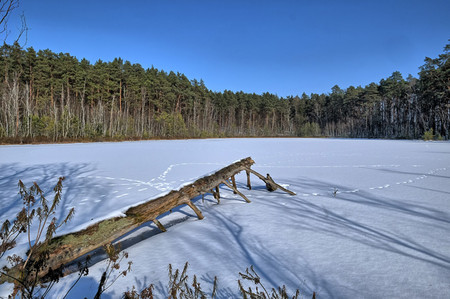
(67, 248)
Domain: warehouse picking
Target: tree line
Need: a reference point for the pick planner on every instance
(56, 97)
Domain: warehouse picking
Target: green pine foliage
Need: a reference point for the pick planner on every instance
(45, 96)
(428, 135)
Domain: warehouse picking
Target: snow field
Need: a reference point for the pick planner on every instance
(370, 218)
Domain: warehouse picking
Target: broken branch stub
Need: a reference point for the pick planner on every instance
(270, 183)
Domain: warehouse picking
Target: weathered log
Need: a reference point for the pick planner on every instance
(67, 248)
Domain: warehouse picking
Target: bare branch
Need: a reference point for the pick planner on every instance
(6, 9)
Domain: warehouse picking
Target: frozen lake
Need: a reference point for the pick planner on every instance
(371, 218)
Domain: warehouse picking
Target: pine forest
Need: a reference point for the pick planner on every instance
(50, 97)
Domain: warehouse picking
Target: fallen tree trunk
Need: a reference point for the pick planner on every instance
(64, 249)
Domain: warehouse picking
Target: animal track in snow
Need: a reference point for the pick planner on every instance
(162, 177)
(159, 183)
(409, 181)
(331, 166)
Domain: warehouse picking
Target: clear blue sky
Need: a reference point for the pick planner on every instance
(283, 47)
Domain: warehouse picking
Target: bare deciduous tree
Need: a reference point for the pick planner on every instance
(6, 9)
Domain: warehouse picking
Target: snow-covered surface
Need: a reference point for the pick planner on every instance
(383, 234)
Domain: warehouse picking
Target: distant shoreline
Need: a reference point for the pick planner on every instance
(25, 141)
